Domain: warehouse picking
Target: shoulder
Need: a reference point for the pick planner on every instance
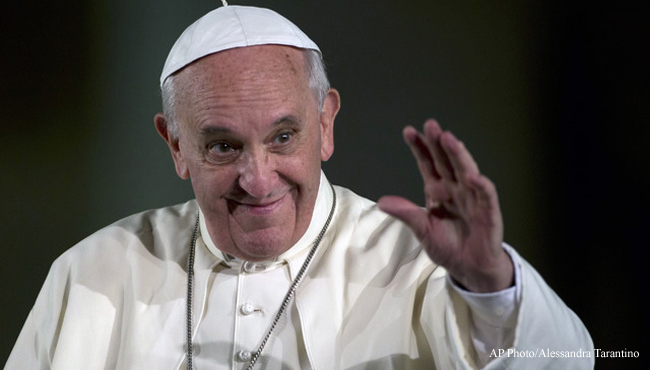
(353, 207)
(363, 216)
(158, 234)
(362, 232)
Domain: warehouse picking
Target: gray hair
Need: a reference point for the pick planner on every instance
(318, 83)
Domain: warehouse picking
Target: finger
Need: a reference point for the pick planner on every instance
(431, 202)
(484, 190)
(435, 191)
(421, 152)
(459, 157)
(432, 134)
(406, 211)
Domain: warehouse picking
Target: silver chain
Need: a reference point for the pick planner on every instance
(285, 302)
(190, 292)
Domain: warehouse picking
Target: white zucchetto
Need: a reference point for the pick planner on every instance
(230, 27)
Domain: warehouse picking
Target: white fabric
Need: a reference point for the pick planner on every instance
(240, 306)
(493, 315)
(231, 27)
(228, 330)
(372, 299)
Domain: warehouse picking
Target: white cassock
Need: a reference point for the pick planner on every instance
(371, 299)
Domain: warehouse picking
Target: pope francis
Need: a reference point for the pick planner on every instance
(273, 267)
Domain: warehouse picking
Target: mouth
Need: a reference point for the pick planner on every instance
(256, 209)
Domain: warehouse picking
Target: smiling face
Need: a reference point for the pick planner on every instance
(252, 141)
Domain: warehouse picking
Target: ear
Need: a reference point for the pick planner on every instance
(162, 126)
(331, 107)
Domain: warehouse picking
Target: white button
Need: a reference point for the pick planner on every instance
(249, 267)
(244, 356)
(252, 267)
(247, 309)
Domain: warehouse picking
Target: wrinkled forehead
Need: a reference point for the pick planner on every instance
(232, 27)
(249, 68)
(250, 60)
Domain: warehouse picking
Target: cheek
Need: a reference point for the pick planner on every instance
(304, 163)
(305, 172)
(210, 185)
(311, 151)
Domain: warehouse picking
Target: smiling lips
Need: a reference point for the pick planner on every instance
(257, 209)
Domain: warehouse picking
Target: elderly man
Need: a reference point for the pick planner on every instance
(272, 266)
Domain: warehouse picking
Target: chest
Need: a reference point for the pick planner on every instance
(241, 305)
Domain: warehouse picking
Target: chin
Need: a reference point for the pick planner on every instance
(263, 246)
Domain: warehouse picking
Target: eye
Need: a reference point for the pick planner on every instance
(283, 137)
(221, 148)
(222, 152)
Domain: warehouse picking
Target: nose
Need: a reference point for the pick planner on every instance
(257, 174)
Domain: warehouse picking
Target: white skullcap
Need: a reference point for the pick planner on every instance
(230, 27)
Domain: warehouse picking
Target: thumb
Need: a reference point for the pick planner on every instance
(406, 211)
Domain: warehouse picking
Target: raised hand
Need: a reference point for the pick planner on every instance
(461, 227)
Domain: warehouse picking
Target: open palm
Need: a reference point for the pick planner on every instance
(461, 227)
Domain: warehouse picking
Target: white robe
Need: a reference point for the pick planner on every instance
(371, 299)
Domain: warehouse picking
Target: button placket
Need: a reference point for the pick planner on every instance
(261, 286)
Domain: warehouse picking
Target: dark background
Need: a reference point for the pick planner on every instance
(553, 100)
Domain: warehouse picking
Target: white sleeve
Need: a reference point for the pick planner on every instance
(494, 315)
(527, 325)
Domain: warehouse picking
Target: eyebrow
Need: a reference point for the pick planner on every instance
(211, 130)
(289, 120)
